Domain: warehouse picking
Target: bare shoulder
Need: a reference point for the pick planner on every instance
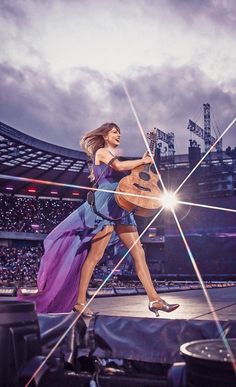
(102, 152)
(102, 155)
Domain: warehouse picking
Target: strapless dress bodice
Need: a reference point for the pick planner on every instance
(106, 174)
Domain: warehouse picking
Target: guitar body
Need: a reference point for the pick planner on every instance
(141, 181)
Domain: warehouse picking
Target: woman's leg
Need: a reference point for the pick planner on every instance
(98, 246)
(128, 235)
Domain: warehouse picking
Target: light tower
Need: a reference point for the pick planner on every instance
(205, 133)
(207, 125)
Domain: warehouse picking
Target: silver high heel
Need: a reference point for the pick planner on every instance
(161, 305)
(85, 313)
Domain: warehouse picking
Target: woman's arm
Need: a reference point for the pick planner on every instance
(103, 155)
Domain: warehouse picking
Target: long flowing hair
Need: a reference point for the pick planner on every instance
(94, 140)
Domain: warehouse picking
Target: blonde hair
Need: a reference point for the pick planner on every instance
(94, 140)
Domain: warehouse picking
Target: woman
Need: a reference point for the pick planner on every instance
(76, 245)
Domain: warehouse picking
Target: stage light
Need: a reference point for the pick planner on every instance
(75, 193)
(28, 290)
(31, 190)
(169, 200)
(35, 226)
(8, 291)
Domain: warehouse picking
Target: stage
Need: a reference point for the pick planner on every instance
(193, 305)
(131, 346)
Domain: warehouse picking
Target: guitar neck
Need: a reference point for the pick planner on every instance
(152, 142)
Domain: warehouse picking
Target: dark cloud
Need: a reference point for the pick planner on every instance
(216, 11)
(191, 12)
(34, 103)
(14, 12)
(168, 98)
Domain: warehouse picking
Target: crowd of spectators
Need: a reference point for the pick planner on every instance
(19, 267)
(118, 281)
(22, 214)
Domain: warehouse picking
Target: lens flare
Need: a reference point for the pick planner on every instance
(170, 204)
(169, 200)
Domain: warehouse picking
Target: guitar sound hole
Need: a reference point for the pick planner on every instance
(141, 187)
(144, 176)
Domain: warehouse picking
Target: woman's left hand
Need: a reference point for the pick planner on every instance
(147, 158)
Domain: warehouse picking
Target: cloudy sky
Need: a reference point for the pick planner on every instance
(62, 64)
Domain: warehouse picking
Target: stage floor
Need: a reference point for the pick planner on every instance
(193, 305)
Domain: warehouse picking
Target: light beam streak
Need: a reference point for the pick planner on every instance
(222, 335)
(142, 132)
(206, 206)
(91, 299)
(205, 155)
(47, 182)
(121, 260)
(211, 307)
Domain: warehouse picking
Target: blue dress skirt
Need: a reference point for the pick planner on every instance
(68, 244)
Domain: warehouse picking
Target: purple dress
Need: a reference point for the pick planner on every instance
(68, 244)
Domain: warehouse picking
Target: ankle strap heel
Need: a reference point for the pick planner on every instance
(161, 305)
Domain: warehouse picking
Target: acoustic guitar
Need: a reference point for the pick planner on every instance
(141, 181)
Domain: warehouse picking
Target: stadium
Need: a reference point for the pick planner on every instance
(31, 208)
(117, 193)
(41, 184)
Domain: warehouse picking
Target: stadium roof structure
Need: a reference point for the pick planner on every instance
(24, 156)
